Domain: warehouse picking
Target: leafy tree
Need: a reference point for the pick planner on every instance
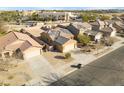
(2, 29)
(85, 18)
(83, 39)
(10, 15)
(88, 17)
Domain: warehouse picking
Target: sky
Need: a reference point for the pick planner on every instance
(61, 3)
(58, 8)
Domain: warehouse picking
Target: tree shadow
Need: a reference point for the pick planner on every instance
(60, 57)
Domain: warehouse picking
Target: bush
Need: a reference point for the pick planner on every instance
(88, 17)
(103, 17)
(110, 42)
(6, 84)
(67, 55)
(10, 77)
(83, 39)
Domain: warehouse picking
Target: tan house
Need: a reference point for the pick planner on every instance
(19, 45)
(109, 31)
(64, 44)
(34, 31)
(77, 28)
(97, 25)
(50, 35)
(94, 35)
(119, 26)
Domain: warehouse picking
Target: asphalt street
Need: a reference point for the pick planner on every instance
(105, 71)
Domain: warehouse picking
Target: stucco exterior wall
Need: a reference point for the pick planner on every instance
(32, 52)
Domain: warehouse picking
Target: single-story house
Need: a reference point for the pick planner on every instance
(63, 25)
(116, 18)
(34, 31)
(64, 44)
(98, 24)
(19, 45)
(94, 35)
(119, 26)
(109, 31)
(30, 23)
(77, 28)
(50, 35)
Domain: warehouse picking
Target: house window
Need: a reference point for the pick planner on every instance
(7, 55)
(0, 55)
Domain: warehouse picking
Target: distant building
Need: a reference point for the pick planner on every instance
(56, 15)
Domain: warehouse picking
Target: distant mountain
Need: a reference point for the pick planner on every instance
(63, 8)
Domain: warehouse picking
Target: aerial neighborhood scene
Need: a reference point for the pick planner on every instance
(60, 47)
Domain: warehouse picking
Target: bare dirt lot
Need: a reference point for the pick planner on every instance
(14, 73)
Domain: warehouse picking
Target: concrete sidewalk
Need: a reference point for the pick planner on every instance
(85, 59)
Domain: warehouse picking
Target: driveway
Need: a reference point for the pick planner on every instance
(105, 71)
(43, 72)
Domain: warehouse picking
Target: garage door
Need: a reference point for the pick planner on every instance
(69, 47)
(32, 53)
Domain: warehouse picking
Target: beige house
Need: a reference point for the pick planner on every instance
(50, 35)
(34, 31)
(94, 35)
(64, 44)
(19, 45)
(77, 28)
(98, 25)
(109, 31)
(119, 26)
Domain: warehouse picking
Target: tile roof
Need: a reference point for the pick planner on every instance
(54, 33)
(98, 22)
(23, 45)
(91, 32)
(80, 25)
(12, 37)
(35, 31)
(107, 29)
(61, 40)
(120, 24)
(25, 37)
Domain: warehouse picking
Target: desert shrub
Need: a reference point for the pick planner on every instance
(6, 84)
(67, 55)
(10, 77)
(1, 83)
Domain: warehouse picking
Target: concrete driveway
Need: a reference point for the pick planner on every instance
(43, 72)
(105, 71)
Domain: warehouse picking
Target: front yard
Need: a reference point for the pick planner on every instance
(12, 73)
(57, 59)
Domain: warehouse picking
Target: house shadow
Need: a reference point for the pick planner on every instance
(60, 57)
